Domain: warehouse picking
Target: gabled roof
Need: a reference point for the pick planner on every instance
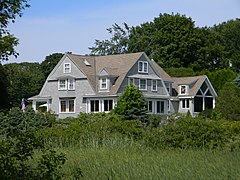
(194, 83)
(116, 65)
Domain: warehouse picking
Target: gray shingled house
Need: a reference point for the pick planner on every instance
(92, 84)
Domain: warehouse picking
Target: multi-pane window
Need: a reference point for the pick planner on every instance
(154, 85)
(142, 84)
(108, 105)
(185, 103)
(160, 107)
(103, 83)
(67, 105)
(67, 68)
(94, 106)
(66, 84)
(71, 84)
(131, 81)
(62, 84)
(142, 67)
(150, 106)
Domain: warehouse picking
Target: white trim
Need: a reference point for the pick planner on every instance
(142, 70)
(67, 106)
(64, 68)
(65, 86)
(145, 84)
(185, 100)
(156, 86)
(101, 83)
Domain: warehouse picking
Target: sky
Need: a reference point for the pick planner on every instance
(59, 26)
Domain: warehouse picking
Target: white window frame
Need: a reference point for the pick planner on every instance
(59, 84)
(181, 89)
(142, 66)
(129, 81)
(154, 87)
(145, 84)
(108, 105)
(65, 68)
(94, 108)
(150, 110)
(67, 101)
(69, 84)
(161, 102)
(186, 104)
(103, 83)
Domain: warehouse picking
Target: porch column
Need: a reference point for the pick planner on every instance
(214, 102)
(34, 105)
(47, 105)
(203, 103)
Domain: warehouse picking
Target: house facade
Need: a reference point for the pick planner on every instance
(93, 84)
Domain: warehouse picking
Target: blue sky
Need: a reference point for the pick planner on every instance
(51, 26)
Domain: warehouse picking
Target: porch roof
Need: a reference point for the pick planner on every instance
(39, 98)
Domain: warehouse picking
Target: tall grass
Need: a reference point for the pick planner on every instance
(147, 163)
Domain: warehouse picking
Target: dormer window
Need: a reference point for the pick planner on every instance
(142, 67)
(67, 68)
(103, 83)
(183, 89)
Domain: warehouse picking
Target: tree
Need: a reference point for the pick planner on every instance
(25, 80)
(230, 38)
(174, 41)
(3, 89)
(228, 102)
(9, 10)
(118, 43)
(132, 104)
(50, 62)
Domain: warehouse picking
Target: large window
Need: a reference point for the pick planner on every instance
(66, 84)
(142, 84)
(94, 106)
(160, 107)
(67, 68)
(103, 83)
(107, 105)
(142, 67)
(154, 85)
(67, 106)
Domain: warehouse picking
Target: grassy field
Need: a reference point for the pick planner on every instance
(145, 163)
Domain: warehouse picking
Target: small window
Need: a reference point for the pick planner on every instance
(183, 89)
(142, 67)
(67, 68)
(142, 84)
(103, 83)
(71, 84)
(154, 85)
(130, 81)
(62, 84)
(185, 103)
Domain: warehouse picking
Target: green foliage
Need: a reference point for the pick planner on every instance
(9, 11)
(219, 77)
(228, 102)
(118, 43)
(230, 38)
(49, 63)
(132, 104)
(180, 72)
(16, 122)
(24, 80)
